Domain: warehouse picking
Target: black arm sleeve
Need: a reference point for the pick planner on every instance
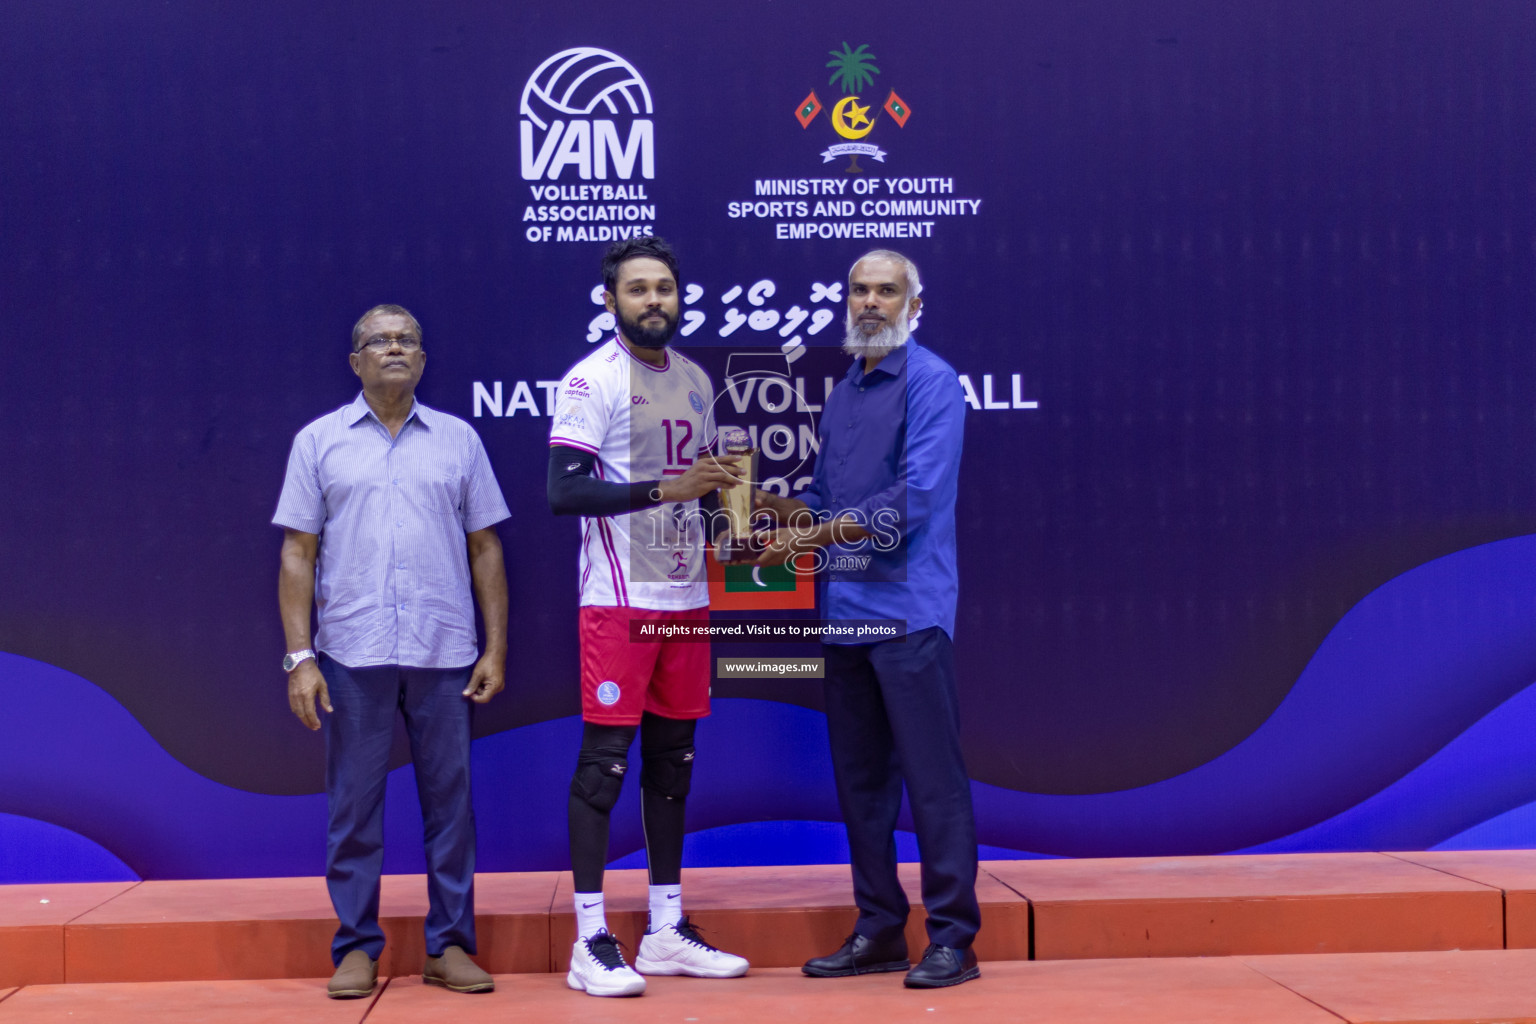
(574, 491)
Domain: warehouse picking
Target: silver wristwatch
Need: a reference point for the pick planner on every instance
(294, 659)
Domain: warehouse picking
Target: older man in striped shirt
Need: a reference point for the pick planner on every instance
(389, 513)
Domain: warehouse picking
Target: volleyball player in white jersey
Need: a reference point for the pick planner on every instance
(629, 454)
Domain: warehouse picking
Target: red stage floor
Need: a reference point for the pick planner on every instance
(1389, 937)
(1362, 988)
(1219, 906)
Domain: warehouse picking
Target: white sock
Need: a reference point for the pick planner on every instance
(666, 906)
(589, 914)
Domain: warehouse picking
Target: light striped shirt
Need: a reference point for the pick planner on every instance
(392, 584)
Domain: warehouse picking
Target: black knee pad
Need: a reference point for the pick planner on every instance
(668, 773)
(599, 777)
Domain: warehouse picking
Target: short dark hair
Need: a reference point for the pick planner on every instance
(386, 309)
(647, 247)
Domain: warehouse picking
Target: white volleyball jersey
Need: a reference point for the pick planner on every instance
(643, 422)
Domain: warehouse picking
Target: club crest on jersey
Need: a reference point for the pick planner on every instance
(608, 693)
(695, 401)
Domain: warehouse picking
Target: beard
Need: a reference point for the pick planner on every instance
(874, 346)
(649, 336)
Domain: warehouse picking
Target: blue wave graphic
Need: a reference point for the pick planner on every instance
(71, 755)
(1512, 830)
(39, 851)
(1413, 665)
(1411, 724)
(1481, 773)
(790, 842)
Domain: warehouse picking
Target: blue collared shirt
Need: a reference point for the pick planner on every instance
(890, 455)
(392, 584)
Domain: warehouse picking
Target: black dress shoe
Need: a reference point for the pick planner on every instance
(943, 966)
(860, 955)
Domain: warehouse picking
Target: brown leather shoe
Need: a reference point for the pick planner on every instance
(455, 971)
(355, 976)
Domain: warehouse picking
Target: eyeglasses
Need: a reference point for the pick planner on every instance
(380, 343)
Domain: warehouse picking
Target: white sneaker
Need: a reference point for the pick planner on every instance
(598, 968)
(679, 949)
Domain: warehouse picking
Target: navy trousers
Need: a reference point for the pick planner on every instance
(357, 742)
(893, 716)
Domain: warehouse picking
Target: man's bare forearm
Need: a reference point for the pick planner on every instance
(488, 572)
(296, 587)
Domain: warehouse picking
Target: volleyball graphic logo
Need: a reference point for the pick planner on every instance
(578, 81)
(574, 111)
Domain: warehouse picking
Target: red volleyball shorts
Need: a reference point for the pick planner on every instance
(621, 676)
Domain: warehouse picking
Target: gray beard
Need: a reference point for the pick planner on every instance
(874, 346)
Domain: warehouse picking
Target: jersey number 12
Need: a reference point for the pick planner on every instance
(677, 455)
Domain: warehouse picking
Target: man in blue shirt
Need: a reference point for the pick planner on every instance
(879, 516)
(389, 513)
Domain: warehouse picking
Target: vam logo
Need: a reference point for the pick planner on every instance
(564, 124)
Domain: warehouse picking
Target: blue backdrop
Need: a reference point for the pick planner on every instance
(1243, 296)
